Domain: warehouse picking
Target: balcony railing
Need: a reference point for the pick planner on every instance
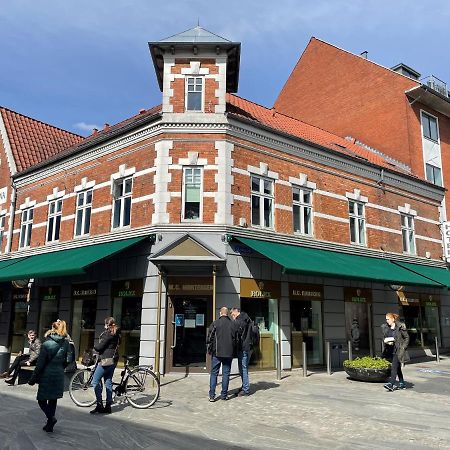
(436, 84)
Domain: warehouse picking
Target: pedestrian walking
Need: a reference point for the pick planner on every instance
(396, 340)
(49, 372)
(107, 348)
(221, 345)
(23, 359)
(244, 347)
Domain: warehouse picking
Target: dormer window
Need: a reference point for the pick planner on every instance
(194, 93)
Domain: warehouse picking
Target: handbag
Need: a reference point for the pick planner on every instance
(106, 362)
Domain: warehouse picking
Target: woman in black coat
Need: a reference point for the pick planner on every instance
(107, 349)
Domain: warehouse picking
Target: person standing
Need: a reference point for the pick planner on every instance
(244, 347)
(49, 372)
(221, 345)
(23, 359)
(106, 347)
(396, 340)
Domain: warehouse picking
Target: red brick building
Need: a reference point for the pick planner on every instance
(211, 200)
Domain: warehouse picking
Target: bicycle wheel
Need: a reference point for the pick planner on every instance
(80, 388)
(142, 387)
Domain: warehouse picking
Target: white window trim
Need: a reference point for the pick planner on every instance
(413, 229)
(57, 194)
(85, 185)
(84, 191)
(426, 113)
(357, 219)
(302, 205)
(407, 210)
(27, 204)
(29, 223)
(356, 196)
(202, 109)
(183, 193)
(122, 173)
(262, 196)
(54, 216)
(122, 227)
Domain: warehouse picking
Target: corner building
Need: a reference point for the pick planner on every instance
(210, 200)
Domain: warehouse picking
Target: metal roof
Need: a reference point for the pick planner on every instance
(196, 35)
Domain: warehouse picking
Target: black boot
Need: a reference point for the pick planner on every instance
(107, 408)
(98, 409)
(50, 424)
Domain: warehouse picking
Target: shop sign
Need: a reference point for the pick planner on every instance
(84, 290)
(357, 295)
(446, 234)
(127, 288)
(48, 294)
(3, 195)
(251, 288)
(299, 291)
(408, 299)
(192, 286)
(430, 300)
(19, 295)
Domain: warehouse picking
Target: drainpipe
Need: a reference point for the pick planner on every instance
(12, 213)
(214, 293)
(158, 324)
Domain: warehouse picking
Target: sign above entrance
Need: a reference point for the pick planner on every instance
(408, 299)
(357, 295)
(84, 291)
(190, 286)
(251, 288)
(127, 288)
(430, 300)
(19, 295)
(49, 293)
(299, 291)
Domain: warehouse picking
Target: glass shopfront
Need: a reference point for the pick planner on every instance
(420, 312)
(259, 299)
(19, 319)
(306, 323)
(358, 320)
(189, 315)
(84, 301)
(127, 311)
(49, 304)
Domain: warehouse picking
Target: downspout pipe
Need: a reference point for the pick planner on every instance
(12, 213)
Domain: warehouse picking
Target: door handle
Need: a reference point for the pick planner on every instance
(174, 342)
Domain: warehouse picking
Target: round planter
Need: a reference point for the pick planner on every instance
(371, 375)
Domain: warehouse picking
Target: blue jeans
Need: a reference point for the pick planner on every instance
(243, 359)
(216, 362)
(106, 373)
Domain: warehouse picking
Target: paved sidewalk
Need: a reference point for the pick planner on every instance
(321, 411)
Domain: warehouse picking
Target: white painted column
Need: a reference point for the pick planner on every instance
(224, 180)
(161, 181)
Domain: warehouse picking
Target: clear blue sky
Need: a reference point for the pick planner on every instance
(76, 63)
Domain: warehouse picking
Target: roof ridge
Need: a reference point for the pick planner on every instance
(40, 121)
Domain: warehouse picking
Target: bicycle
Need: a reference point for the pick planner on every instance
(139, 385)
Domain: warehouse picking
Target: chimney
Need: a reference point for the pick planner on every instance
(94, 131)
(106, 126)
(364, 54)
(142, 111)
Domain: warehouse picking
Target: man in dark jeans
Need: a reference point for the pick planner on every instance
(221, 345)
(23, 359)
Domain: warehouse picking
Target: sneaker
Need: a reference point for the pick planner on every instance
(211, 399)
(10, 381)
(48, 427)
(243, 394)
(402, 385)
(225, 398)
(390, 387)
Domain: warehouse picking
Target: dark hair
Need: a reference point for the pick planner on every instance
(235, 308)
(111, 324)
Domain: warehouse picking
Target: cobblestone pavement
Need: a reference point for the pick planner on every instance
(319, 411)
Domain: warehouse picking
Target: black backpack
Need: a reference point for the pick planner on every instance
(253, 331)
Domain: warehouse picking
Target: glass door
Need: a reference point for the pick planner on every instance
(83, 324)
(19, 323)
(358, 328)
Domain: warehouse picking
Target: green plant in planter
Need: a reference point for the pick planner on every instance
(367, 362)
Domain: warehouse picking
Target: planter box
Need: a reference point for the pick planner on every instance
(371, 375)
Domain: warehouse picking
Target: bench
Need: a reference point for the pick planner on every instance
(25, 373)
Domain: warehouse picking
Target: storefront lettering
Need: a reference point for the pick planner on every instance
(306, 293)
(84, 292)
(260, 294)
(359, 300)
(19, 296)
(127, 294)
(49, 297)
(190, 287)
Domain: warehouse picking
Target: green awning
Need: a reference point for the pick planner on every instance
(8, 262)
(433, 273)
(310, 261)
(63, 262)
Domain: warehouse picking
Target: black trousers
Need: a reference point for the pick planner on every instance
(15, 366)
(49, 407)
(396, 370)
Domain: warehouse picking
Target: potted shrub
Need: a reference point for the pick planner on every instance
(368, 368)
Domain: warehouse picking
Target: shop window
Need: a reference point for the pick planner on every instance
(26, 228)
(357, 222)
(429, 127)
(122, 192)
(434, 174)
(2, 231)
(83, 214)
(408, 235)
(192, 193)
(54, 220)
(49, 303)
(19, 319)
(302, 210)
(262, 202)
(194, 93)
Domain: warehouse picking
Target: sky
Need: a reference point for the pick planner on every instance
(79, 64)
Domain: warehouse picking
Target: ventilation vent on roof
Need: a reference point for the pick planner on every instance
(406, 70)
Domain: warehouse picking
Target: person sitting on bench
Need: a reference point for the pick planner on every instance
(21, 360)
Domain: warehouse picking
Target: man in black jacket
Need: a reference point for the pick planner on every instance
(221, 345)
(244, 347)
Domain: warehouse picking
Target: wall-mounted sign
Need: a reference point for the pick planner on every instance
(357, 295)
(430, 300)
(190, 286)
(128, 288)
(49, 293)
(446, 234)
(299, 291)
(3, 195)
(251, 288)
(408, 298)
(84, 291)
(19, 295)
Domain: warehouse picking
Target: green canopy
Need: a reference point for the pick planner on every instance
(311, 261)
(437, 274)
(63, 262)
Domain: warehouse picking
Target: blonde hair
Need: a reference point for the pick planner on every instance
(59, 327)
(111, 325)
(393, 316)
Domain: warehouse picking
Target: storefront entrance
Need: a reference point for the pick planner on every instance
(358, 320)
(19, 319)
(84, 298)
(189, 314)
(49, 303)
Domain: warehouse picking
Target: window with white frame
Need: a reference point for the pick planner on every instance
(2, 230)
(194, 93)
(434, 174)
(192, 193)
(429, 127)
(26, 227)
(122, 191)
(302, 210)
(54, 220)
(262, 202)
(83, 214)
(408, 236)
(357, 222)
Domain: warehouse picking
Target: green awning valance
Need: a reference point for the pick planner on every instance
(311, 261)
(433, 273)
(63, 262)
